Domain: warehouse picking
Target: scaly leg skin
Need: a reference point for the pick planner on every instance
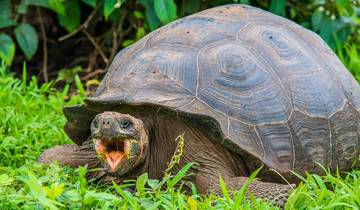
(272, 192)
(74, 156)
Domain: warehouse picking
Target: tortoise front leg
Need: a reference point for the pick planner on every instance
(71, 155)
(274, 192)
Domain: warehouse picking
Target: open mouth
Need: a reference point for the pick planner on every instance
(113, 151)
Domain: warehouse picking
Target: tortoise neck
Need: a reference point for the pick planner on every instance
(162, 133)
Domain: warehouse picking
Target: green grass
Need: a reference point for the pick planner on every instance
(349, 54)
(31, 121)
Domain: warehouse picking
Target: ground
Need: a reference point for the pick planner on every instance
(31, 120)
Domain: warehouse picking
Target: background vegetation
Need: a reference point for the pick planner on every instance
(62, 38)
(68, 44)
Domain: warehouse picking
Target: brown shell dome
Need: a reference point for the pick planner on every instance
(275, 89)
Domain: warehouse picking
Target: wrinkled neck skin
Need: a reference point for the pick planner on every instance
(163, 130)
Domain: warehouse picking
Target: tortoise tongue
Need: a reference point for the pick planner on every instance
(113, 159)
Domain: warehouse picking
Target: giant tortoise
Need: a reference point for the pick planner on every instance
(246, 87)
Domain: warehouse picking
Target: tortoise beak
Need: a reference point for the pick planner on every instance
(113, 152)
(113, 160)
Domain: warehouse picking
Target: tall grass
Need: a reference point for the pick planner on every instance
(31, 121)
(349, 54)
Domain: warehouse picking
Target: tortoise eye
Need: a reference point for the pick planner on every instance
(125, 124)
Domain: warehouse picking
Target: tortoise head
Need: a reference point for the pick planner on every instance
(120, 141)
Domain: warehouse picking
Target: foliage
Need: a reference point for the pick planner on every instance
(327, 192)
(335, 21)
(110, 25)
(26, 35)
(350, 56)
(31, 121)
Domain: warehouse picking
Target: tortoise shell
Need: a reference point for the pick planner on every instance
(274, 88)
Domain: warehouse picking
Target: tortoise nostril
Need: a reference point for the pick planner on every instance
(106, 123)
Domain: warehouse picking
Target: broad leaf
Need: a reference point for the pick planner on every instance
(71, 20)
(316, 18)
(192, 203)
(109, 7)
(150, 14)
(153, 183)
(138, 14)
(140, 182)
(277, 7)
(40, 3)
(55, 190)
(5, 180)
(27, 39)
(91, 3)
(189, 7)
(5, 10)
(128, 42)
(165, 10)
(7, 48)
(22, 8)
(331, 29)
(57, 6)
(5, 14)
(140, 33)
(244, 2)
(4, 23)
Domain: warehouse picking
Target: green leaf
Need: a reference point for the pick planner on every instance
(189, 7)
(127, 42)
(138, 15)
(72, 195)
(68, 74)
(180, 175)
(331, 29)
(341, 3)
(277, 7)
(22, 8)
(71, 20)
(40, 3)
(58, 6)
(5, 180)
(91, 3)
(27, 39)
(47, 203)
(5, 10)
(109, 7)
(55, 190)
(224, 189)
(140, 182)
(316, 18)
(7, 48)
(140, 33)
(150, 15)
(165, 10)
(79, 86)
(153, 183)
(34, 184)
(4, 23)
(90, 196)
